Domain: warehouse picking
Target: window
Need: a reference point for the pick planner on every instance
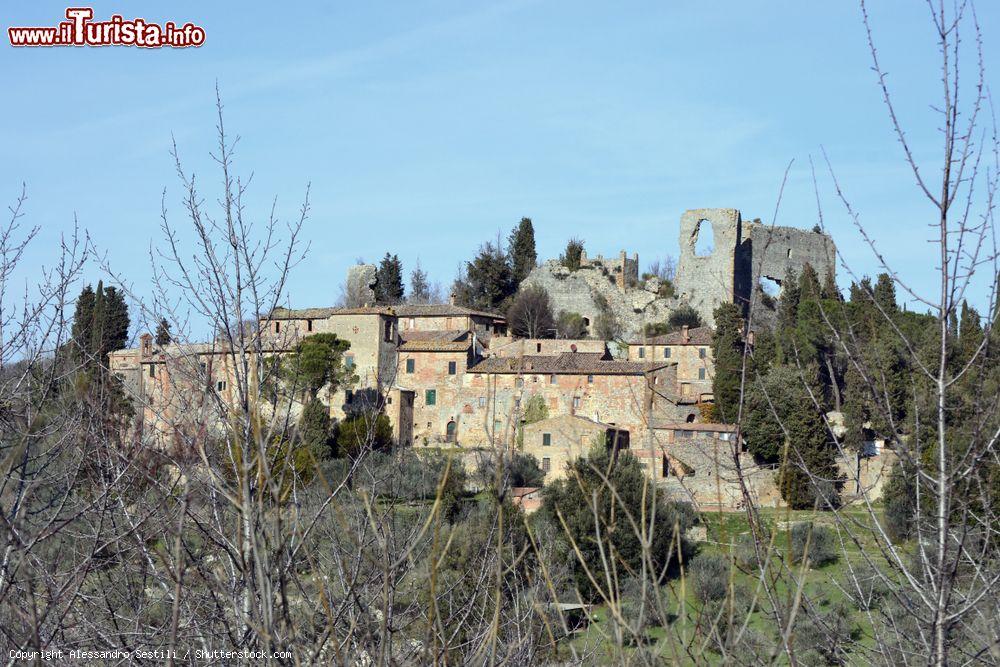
(552, 379)
(701, 353)
(546, 439)
(538, 347)
(453, 368)
(309, 325)
(701, 373)
(152, 370)
(496, 426)
(410, 365)
(642, 353)
(451, 431)
(348, 396)
(277, 327)
(519, 382)
(413, 323)
(482, 401)
(349, 361)
(430, 397)
(220, 385)
(388, 331)
(576, 401)
(517, 402)
(590, 379)
(203, 367)
(546, 464)
(666, 353)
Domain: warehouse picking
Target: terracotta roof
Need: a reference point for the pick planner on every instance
(696, 336)
(566, 363)
(448, 335)
(439, 310)
(687, 426)
(322, 313)
(440, 340)
(435, 346)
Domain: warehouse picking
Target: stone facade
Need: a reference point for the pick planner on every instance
(691, 350)
(558, 440)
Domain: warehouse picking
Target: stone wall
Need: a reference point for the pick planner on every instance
(706, 281)
(741, 254)
(584, 291)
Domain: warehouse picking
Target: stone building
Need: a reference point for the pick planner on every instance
(558, 440)
(511, 347)
(691, 350)
(619, 393)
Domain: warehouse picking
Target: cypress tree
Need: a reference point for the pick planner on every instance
(389, 280)
(163, 333)
(521, 250)
(885, 293)
(809, 287)
(83, 322)
(830, 289)
(420, 287)
(727, 350)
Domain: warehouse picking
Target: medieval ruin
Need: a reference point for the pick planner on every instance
(746, 256)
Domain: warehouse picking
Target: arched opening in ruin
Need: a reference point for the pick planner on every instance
(704, 239)
(770, 286)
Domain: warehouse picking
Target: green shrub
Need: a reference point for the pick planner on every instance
(819, 544)
(709, 576)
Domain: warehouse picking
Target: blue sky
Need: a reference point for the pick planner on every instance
(426, 127)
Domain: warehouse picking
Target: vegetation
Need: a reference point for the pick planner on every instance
(521, 250)
(603, 502)
(389, 280)
(570, 326)
(530, 314)
(572, 255)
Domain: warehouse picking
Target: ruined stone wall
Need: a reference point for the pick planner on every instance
(583, 291)
(706, 281)
(776, 250)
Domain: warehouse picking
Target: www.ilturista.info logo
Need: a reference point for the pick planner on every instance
(80, 30)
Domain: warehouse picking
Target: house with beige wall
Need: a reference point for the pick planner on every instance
(691, 350)
(558, 440)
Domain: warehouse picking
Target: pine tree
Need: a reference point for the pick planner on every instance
(727, 351)
(521, 250)
(420, 287)
(573, 255)
(885, 293)
(809, 287)
(100, 324)
(389, 280)
(83, 322)
(315, 432)
(808, 475)
(487, 282)
(163, 336)
(830, 289)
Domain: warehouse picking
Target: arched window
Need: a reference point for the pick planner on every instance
(451, 431)
(690, 419)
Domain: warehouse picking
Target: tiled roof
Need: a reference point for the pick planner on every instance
(322, 313)
(441, 340)
(439, 310)
(433, 334)
(696, 336)
(566, 363)
(401, 310)
(687, 426)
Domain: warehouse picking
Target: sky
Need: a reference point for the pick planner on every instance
(426, 128)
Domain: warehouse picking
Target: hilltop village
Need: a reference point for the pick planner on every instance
(456, 378)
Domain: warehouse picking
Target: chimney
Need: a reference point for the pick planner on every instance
(451, 299)
(685, 336)
(145, 345)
